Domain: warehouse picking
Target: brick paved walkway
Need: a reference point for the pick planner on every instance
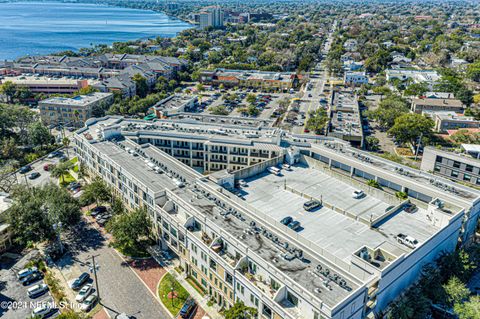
(102, 314)
(149, 271)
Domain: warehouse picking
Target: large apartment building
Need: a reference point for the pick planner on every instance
(75, 110)
(351, 256)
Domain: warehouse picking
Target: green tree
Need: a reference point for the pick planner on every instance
(34, 211)
(373, 143)
(39, 134)
(86, 90)
(141, 85)
(416, 89)
(8, 88)
(240, 311)
(456, 291)
(130, 230)
(409, 127)
(251, 98)
(317, 121)
(388, 110)
(219, 110)
(473, 71)
(97, 191)
(469, 309)
(23, 93)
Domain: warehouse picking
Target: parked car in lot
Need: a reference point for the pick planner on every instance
(78, 283)
(242, 183)
(98, 210)
(89, 303)
(31, 278)
(287, 220)
(187, 308)
(43, 311)
(26, 272)
(37, 290)
(25, 169)
(47, 167)
(311, 205)
(295, 225)
(73, 185)
(34, 175)
(357, 194)
(410, 208)
(84, 293)
(54, 154)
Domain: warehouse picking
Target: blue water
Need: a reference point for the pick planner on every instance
(33, 28)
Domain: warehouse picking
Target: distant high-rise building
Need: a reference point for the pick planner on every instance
(172, 6)
(211, 17)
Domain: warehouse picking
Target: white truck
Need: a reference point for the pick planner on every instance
(407, 240)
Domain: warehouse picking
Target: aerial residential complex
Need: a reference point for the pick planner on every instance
(348, 259)
(106, 72)
(75, 110)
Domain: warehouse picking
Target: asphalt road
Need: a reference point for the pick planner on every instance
(120, 289)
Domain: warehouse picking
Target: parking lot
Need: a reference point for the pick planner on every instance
(39, 167)
(14, 300)
(267, 103)
(324, 226)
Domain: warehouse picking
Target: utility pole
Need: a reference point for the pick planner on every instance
(94, 269)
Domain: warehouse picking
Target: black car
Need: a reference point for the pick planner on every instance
(187, 308)
(98, 210)
(311, 205)
(34, 175)
(78, 283)
(31, 278)
(287, 220)
(25, 169)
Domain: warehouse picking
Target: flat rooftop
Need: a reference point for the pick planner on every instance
(301, 271)
(79, 100)
(137, 166)
(340, 234)
(45, 80)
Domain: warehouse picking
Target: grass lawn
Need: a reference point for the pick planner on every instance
(75, 168)
(73, 160)
(166, 284)
(67, 179)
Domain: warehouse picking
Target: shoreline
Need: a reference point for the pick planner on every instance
(76, 50)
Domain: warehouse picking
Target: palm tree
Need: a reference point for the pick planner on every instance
(66, 144)
(60, 170)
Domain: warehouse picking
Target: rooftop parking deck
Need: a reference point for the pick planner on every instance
(340, 234)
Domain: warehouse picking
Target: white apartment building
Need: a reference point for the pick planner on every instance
(344, 262)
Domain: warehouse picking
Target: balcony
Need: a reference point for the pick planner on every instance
(258, 281)
(219, 248)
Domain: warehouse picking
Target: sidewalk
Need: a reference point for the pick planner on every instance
(202, 301)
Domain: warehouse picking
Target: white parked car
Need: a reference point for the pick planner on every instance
(89, 303)
(242, 183)
(358, 194)
(42, 311)
(37, 290)
(26, 272)
(287, 167)
(84, 293)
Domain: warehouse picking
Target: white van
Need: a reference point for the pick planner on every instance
(37, 290)
(274, 170)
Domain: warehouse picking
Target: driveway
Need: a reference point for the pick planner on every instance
(121, 290)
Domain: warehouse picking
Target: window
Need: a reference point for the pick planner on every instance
(454, 174)
(469, 168)
(204, 283)
(436, 168)
(467, 177)
(439, 159)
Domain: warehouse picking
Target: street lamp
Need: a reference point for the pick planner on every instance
(57, 227)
